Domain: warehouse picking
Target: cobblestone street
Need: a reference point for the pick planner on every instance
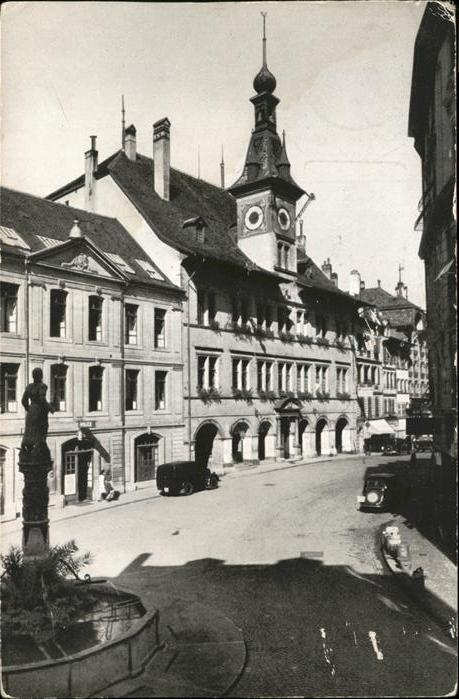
(289, 560)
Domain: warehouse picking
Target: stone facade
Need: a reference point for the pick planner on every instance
(116, 389)
(392, 356)
(256, 391)
(432, 124)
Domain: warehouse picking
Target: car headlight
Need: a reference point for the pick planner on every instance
(373, 497)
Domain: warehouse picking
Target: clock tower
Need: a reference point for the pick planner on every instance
(266, 193)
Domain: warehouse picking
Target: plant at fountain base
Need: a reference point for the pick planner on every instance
(38, 597)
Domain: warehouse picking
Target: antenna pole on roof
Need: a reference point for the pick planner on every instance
(222, 171)
(400, 270)
(263, 14)
(123, 123)
(199, 163)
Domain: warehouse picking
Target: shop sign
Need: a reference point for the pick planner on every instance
(86, 424)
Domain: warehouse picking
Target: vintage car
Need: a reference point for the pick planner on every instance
(387, 444)
(381, 491)
(184, 477)
(423, 443)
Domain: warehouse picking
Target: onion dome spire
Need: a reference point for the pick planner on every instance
(264, 80)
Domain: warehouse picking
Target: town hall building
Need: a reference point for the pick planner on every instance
(269, 366)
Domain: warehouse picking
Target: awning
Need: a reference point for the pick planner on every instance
(378, 427)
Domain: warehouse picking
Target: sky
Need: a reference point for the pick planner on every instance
(343, 73)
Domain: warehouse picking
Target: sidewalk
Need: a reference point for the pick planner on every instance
(436, 591)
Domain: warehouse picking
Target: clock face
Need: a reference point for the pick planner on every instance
(283, 218)
(254, 218)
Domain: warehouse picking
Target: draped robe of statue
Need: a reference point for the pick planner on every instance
(36, 423)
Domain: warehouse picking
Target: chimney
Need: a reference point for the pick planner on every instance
(379, 283)
(405, 288)
(90, 169)
(362, 285)
(327, 268)
(354, 283)
(161, 157)
(334, 278)
(130, 147)
(399, 289)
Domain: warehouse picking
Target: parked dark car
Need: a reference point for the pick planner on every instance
(387, 444)
(397, 446)
(381, 491)
(423, 443)
(184, 477)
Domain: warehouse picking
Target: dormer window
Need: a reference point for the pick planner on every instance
(196, 227)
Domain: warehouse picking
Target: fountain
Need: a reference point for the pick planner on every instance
(62, 637)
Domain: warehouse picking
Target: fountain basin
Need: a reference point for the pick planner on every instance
(120, 638)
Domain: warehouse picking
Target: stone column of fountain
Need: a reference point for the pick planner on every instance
(34, 463)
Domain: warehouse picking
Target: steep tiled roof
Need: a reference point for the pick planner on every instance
(191, 198)
(35, 218)
(382, 299)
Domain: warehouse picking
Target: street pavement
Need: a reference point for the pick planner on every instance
(283, 555)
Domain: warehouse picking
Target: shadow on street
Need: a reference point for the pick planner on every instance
(310, 629)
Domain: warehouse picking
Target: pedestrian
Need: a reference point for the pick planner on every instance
(102, 493)
(108, 485)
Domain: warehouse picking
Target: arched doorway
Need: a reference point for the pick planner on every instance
(146, 457)
(321, 424)
(263, 430)
(302, 427)
(341, 430)
(204, 442)
(78, 469)
(238, 434)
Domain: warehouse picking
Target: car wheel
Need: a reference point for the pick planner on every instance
(162, 492)
(187, 488)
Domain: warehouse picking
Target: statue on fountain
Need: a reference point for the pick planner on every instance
(34, 463)
(36, 423)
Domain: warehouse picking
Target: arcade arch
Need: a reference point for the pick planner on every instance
(204, 442)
